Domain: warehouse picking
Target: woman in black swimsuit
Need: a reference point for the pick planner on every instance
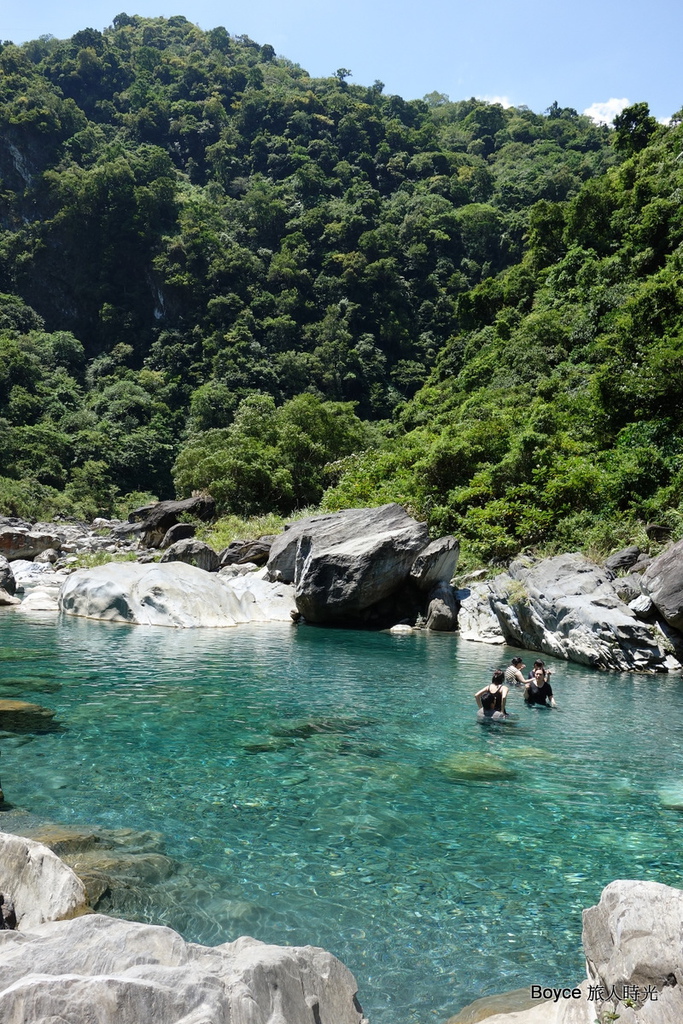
(491, 700)
(539, 690)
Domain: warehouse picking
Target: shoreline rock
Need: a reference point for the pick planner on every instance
(565, 607)
(61, 961)
(173, 594)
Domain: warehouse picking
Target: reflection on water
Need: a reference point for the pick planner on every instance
(333, 787)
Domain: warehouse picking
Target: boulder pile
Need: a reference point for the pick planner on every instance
(569, 608)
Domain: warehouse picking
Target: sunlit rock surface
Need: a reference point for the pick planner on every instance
(172, 594)
(41, 886)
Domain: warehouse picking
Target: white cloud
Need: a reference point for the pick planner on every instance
(504, 101)
(605, 112)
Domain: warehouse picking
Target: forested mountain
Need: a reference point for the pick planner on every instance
(218, 272)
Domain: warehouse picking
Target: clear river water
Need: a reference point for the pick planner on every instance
(334, 787)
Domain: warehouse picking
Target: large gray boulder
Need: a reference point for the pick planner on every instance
(566, 607)
(634, 936)
(193, 552)
(57, 966)
(663, 581)
(173, 594)
(345, 562)
(7, 580)
(19, 542)
(633, 942)
(41, 886)
(105, 971)
(436, 564)
(157, 519)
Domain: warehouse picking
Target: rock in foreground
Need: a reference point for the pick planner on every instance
(173, 594)
(98, 969)
(105, 971)
(634, 960)
(42, 887)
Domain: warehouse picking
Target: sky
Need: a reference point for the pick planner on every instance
(594, 56)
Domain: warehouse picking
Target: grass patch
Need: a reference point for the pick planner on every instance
(229, 528)
(91, 561)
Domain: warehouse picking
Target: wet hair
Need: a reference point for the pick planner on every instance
(498, 677)
(516, 661)
(539, 664)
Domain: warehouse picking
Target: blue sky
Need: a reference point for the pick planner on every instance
(529, 52)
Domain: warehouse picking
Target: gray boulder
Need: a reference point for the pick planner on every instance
(633, 937)
(435, 564)
(566, 607)
(42, 887)
(7, 580)
(64, 964)
(174, 594)
(628, 587)
(663, 581)
(157, 519)
(442, 608)
(193, 552)
(344, 563)
(106, 971)
(240, 552)
(623, 559)
(181, 531)
(476, 618)
(18, 542)
(634, 963)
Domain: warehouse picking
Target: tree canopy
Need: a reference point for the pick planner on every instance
(219, 272)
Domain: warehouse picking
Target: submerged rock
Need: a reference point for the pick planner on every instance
(21, 717)
(484, 1008)
(475, 768)
(305, 727)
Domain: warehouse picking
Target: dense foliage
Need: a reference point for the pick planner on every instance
(221, 273)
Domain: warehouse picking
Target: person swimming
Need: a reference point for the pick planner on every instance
(491, 699)
(538, 690)
(514, 673)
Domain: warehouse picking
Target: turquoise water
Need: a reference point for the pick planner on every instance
(333, 787)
